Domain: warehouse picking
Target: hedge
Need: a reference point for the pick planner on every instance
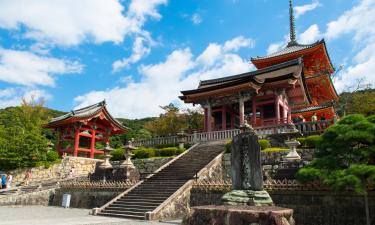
(264, 144)
(313, 141)
(144, 153)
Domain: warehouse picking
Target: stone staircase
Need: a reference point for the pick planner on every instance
(154, 191)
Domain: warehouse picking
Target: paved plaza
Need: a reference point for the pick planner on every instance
(41, 215)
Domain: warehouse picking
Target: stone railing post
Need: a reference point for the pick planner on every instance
(195, 137)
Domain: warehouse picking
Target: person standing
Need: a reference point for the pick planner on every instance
(27, 177)
(314, 119)
(9, 180)
(3, 181)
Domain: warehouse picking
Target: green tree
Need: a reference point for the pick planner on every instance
(168, 123)
(345, 157)
(22, 143)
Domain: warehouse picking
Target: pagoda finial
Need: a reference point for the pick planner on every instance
(293, 40)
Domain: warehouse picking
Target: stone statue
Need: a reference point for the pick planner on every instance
(246, 169)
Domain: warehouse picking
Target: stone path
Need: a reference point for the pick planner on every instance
(42, 215)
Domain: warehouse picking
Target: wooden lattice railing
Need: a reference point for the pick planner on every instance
(97, 185)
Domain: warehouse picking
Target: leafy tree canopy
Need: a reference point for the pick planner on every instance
(345, 155)
(173, 120)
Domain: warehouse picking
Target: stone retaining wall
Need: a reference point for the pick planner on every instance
(85, 198)
(145, 166)
(270, 160)
(310, 207)
(82, 166)
(43, 197)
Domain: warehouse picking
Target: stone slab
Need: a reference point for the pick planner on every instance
(247, 197)
(239, 215)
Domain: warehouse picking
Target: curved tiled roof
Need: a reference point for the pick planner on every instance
(290, 48)
(313, 108)
(205, 83)
(86, 112)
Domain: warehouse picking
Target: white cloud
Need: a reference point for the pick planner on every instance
(359, 23)
(300, 10)
(274, 47)
(14, 96)
(161, 83)
(140, 50)
(310, 35)
(239, 42)
(72, 22)
(28, 69)
(66, 22)
(196, 18)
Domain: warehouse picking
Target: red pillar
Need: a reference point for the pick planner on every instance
(205, 119)
(232, 120)
(254, 118)
(242, 111)
(209, 115)
(223, 118)
(277, 109)
(58, 144)
(92, 146)
(76, 142)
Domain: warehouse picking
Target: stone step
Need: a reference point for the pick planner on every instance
(122, 216)
(144, 198)
(134, 213)
(135, 204)
(148, 195)
(137, 199)
(131, 208)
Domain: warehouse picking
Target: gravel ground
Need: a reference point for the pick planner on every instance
(41, 215)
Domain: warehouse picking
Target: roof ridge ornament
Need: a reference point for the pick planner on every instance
(293, 40)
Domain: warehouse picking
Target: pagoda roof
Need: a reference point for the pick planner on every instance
(84, 114)
(313, 108)
(287, 71)
(213, 82)
(290, 48)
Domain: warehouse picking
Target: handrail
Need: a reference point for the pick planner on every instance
(262, 131)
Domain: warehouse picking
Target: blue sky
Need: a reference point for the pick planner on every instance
(138, 54)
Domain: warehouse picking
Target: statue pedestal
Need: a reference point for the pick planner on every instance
(126, 173)
(247, 197)
(239, 215)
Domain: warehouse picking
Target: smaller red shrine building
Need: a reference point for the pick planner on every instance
(80, 130)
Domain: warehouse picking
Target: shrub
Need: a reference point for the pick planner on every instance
(52, 156)
(143, 153)
(302, 140)
(165, 146)
(275, 149)
(117, 154)
(312, 141)
(264, 144)
(228, 146)
(171, 151)
(179, 151)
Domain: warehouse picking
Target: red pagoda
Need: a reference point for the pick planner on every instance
(294, 82)
(80, 130)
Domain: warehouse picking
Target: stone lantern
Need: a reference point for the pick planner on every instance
(181, 137)
(293, 155)
(127, 170)
(106, 165)
(128, 155)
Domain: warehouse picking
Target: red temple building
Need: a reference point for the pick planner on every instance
(293, 82)
(81, 130)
